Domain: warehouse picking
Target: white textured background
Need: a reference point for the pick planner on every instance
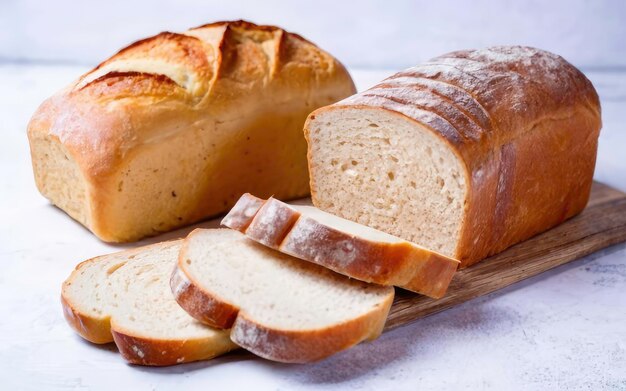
(363, 34)
(562, 330)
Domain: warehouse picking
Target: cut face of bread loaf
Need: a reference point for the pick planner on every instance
(174, 128)
(344, 246)
(126, 297)
(466, 154)
(279, 307)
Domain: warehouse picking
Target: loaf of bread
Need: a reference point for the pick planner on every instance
(174, 128)
(466, 154)
(125, 297)
(278, 307)
(344, 246)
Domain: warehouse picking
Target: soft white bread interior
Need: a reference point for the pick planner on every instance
(279, 307)
(126, 297)
(344, 246)
(386, 171)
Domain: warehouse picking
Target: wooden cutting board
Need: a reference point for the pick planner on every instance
(600, 225)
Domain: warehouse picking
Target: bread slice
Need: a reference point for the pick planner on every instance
(278, 307)
(344, 246)
(125, 297)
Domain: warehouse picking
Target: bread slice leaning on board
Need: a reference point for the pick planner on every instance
(174, 128)
(126, 298)
(278, 307)
(466, 154)
(346, 247)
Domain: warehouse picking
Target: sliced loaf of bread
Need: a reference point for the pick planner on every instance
(344, 246)
(466, 154)
(279, 307)
(125, 297)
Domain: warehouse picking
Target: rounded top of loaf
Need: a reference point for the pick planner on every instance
(478, 100)
(155, 86)
(239, 55)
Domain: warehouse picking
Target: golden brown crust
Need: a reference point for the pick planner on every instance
(201, 90)
(403, 264)
(169, 48)
(308, 345)
(523, 121)
(242, 24)
(129, 84)
(153, 352)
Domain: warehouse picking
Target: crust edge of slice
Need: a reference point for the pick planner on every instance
(94, 330)
(197, 302)
(164, 352)
(309, 345)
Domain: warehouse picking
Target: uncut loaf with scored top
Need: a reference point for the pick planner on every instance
(466, 154)
(174, 128)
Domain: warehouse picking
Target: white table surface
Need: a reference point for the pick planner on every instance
(564, 329)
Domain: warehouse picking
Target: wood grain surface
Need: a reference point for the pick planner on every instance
(601, 224)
